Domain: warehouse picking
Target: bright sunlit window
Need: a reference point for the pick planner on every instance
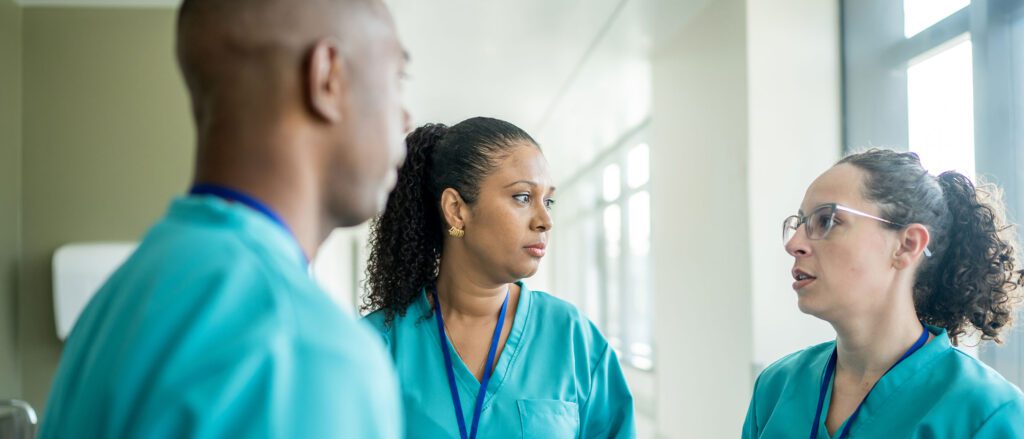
(640, 306)
(611, 182)
(638, 164)
(611, 263)
(940, 109)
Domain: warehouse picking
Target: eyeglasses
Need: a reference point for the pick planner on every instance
(822, 219)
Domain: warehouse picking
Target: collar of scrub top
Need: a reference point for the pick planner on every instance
(488, 368)
(233, 195)
(827, 378)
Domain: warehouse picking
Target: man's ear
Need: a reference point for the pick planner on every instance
(327, 81)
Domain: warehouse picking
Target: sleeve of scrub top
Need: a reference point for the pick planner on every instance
(750, 424)
(1007, 421)
(608, 410)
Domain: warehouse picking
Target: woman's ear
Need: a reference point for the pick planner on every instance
(913, 245)
(453, 208)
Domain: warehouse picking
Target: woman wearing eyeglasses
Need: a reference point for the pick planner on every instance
(478, 354)
(901, 264)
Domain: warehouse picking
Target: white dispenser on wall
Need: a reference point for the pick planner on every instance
(79, 270)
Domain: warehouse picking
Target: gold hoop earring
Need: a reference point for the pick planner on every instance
(456, 233)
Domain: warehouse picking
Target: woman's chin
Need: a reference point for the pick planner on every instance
(807, 305)
(525, 271)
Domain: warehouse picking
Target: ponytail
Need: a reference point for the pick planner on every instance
(405, 241)
(975, 282)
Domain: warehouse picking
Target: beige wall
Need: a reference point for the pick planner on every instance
(10, 192)
(794, 62)
(107, 142)
(699, 226)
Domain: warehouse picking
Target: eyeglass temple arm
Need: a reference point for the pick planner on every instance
(927, 252)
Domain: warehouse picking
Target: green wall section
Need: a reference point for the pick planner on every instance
(10, 192)
(108, 141)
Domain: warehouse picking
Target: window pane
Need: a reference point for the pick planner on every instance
(640, 281)
(940, 110)
(640, 223)
(612, 276)
(612, 230)
(638, 165)
(612, 182)
(918, 15)
(591, 270)
(641, 356)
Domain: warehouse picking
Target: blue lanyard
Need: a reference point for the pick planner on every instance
(831, 368)
(239, 197)
(451, 371)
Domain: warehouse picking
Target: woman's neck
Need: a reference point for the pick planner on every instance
(464, 298)
(868, 345)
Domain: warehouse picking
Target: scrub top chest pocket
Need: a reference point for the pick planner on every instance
(549, 418)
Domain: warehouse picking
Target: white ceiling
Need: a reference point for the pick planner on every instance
(516, 59)
(550, 66)
(508, 59)
(574, 73)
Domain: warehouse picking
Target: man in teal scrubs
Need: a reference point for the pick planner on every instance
(213, 327)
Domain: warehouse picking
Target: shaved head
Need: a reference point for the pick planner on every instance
(226, 46)
(297, 98)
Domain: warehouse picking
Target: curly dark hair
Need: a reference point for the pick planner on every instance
(406, 240)
(971, 279)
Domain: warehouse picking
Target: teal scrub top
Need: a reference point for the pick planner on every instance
(213, 328)
(938, 392)
(557, 376)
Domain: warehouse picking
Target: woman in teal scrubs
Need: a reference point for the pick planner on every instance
(469, 219)
(901, 264)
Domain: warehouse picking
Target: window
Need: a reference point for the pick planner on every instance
(943, 78)
(340, 266)
(940, 108)
(605, 246)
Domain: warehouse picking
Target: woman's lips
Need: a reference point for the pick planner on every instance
(802, 279)
(536, 250)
